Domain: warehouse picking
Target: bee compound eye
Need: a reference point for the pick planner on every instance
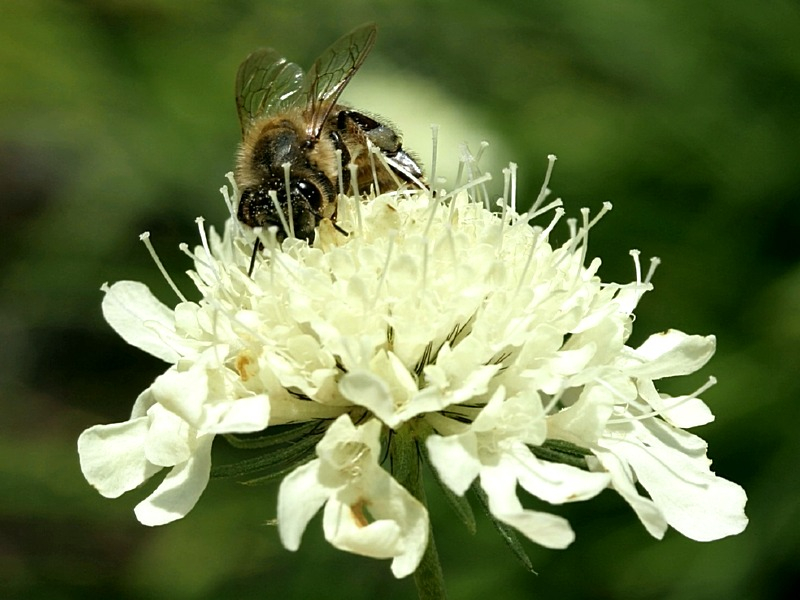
(306, 200)
(310, 192)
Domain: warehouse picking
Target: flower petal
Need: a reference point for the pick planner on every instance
(455, 459)
(240, 415)
(346, 529)
(170, 440)
(180, 490)
(370, 391)
(554, 482)
(112, 457)
(183, 392)
(300, 496)
(695, 501)
(550, 531)
(386, 521)
(142, 320)
(623, 481)
(681, 411)
(671, 353)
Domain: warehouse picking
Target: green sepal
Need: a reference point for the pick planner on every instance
(282, 459)
(559, 451)
(272, 436)
(273, 475)
(506, 532)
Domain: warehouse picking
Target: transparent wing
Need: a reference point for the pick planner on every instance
(267, 84)
(331, 72)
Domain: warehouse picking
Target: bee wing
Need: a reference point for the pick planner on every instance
(266, 84)
(332, 71)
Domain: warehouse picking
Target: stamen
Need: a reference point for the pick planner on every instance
(389, 250)
(274, 197)
(463, 157)
(435, 202)
(424, 265)
(553, 402)
(544, 192)
(434, 153)
(278, 258)
(614, 391)
(272, 246)
(356, 196)
(481, 149)
(528, 261)
(228, 200)
(654, 262)
(543, 235)
(712, 381)
(469, 185)
(235, 188)
(145, 237)
(385, 163)
(233, 225)
(582, 236)
(339, 171)
(184, 247)
(572, 225)
(286, 166)
(200, 221)
(506, 190)
(547, 208)
(451, 243)
(637, 265)
(607, 206)
(513, 168)
(371, 151)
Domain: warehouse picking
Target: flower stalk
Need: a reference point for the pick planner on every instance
(406, 464)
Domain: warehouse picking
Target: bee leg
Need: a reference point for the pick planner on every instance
(333, 222)
(257, 247)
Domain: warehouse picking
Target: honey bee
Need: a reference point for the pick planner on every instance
(297, 142)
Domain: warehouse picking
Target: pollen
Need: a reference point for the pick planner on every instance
(242, 365)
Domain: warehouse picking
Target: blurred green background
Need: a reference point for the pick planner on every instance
(118, 117)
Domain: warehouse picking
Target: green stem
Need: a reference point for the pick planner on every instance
(407, 469)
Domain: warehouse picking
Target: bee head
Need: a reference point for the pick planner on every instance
(299, 210)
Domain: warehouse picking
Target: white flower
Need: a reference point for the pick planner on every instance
(172, 424)
(366, 511)
(495, 447)
(466, 330)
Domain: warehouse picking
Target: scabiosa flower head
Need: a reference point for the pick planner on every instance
(437, 328)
